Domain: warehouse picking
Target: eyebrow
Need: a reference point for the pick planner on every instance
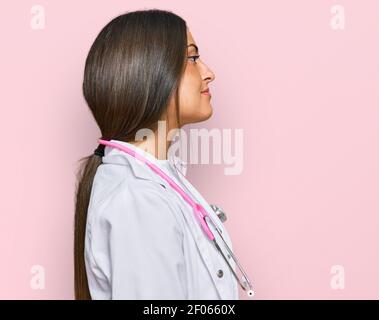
(195, 46)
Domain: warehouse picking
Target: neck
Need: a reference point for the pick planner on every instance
(159, 141)
(158, 148)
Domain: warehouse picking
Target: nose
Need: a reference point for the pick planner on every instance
(208, 74)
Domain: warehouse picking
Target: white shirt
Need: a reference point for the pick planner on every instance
(143, 240)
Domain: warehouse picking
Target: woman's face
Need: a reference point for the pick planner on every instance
(195, 106)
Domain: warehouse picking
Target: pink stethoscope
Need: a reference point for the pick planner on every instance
(202, 215)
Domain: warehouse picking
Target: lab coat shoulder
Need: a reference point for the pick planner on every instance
(136, 240)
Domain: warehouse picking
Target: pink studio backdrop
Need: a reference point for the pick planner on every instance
(305, 94)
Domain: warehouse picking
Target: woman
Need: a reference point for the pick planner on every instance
(135, 237)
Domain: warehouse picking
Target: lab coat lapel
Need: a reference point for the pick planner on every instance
(202, 245)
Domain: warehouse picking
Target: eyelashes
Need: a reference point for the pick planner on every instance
(194, 57)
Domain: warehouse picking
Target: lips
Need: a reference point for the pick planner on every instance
(205, 91)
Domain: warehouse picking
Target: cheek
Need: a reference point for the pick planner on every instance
(189, 91)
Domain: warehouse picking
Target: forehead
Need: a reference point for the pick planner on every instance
(190, 38)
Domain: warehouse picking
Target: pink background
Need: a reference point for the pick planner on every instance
(306, 96)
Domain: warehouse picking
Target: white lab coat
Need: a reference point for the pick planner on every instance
(143, 240)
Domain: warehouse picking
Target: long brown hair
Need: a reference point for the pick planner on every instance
(133, 68)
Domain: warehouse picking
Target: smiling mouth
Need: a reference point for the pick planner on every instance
(206, 92)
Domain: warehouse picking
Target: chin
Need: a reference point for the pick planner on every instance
(209, 113)
(205, 114)
(201, 115)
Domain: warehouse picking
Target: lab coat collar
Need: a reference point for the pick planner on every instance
(139, 168)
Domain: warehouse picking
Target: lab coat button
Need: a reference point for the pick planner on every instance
(220, 273)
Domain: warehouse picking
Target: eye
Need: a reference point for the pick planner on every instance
(194, 57)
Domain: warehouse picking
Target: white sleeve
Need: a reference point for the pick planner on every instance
(146, 259)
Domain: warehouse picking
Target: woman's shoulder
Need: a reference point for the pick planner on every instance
(111, 180)
(117, 195)
(125, 210)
